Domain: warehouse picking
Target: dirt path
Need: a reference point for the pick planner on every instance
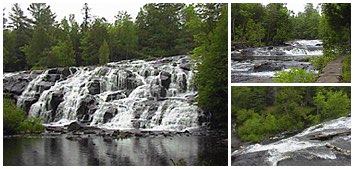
(332, 73)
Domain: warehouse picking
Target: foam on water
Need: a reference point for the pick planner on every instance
(280, 150)
(152, 95)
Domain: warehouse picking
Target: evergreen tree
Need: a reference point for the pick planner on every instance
(211, 78)
(104, 53)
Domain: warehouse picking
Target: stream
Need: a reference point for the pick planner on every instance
(259, 64)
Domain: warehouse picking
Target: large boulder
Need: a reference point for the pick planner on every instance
(185, 66)
(109, 114)
(87, 107)
(94, 87)
(267, 66)
(75, 126)
(14, 85)
(157, 91)
(56, 99)
(115, 96)
(28, 103)
(165, 78)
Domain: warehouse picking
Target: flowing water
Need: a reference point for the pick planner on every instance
(155, 95)
(260, 64)
(301, 146)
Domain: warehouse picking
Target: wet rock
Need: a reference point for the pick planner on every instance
(43, 85)
(165, 78)
(267, 66)
(115, 96)
(185, 66)
(57, 98)
(94, 87)
(75, 126)
(249, 159)
(109, 114)
(16, 84)
(158, 91)
(53, 77)
(87, 107)
(28, 103)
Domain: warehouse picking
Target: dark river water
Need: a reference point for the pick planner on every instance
(156, 151)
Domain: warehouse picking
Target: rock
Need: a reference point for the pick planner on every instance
(87, 107)
(115, 96)
(267, 66)
(16, 84)
(53, 77)
(185, 66)
(165, 78)
(94, 87)
(158, 91)
(270, 48)
(109, 114)
(28, 103)
(65, 72)
(42, 86)
(75, 126)
(56, 99)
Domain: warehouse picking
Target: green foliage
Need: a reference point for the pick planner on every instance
(346, 73)
(160, 29)
(293, 108)
(321, 61)
(104, 53)
(13, 117)
(307, 23)
(211, 55)
(92, 41)
(295, 75)
(332, 104)
(63, 54)
(32, 125)
(15, 120)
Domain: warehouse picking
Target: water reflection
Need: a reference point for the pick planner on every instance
(195, 150)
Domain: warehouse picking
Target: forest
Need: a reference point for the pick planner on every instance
(255, 24)
(266, 111)
(160, 30)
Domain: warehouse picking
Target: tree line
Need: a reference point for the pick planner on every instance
(255, 24)
(160, 30)
(265, 111)
(39, 41)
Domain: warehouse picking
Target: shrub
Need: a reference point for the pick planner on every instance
(346, 72)
(295, 75)
(13, 116)
(15, 120)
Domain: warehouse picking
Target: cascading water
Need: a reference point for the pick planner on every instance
(152, 95)
(259, 64)
(303, 145)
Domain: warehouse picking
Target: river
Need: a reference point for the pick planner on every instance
(259, 64)
(93, 151)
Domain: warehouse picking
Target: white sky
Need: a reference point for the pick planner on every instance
(100, 8)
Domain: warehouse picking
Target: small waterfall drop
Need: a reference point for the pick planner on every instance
(152, 95)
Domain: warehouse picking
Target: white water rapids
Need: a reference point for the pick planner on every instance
(153, 95)
(282, 149)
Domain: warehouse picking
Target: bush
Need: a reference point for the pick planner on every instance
(32, 124)
(346, 72)
(321, 61)
(295, 75)
(13, 116)
(15, 120)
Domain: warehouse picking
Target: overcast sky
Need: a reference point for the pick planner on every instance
(102, 8)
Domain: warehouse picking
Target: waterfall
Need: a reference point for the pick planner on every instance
(152, 95)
